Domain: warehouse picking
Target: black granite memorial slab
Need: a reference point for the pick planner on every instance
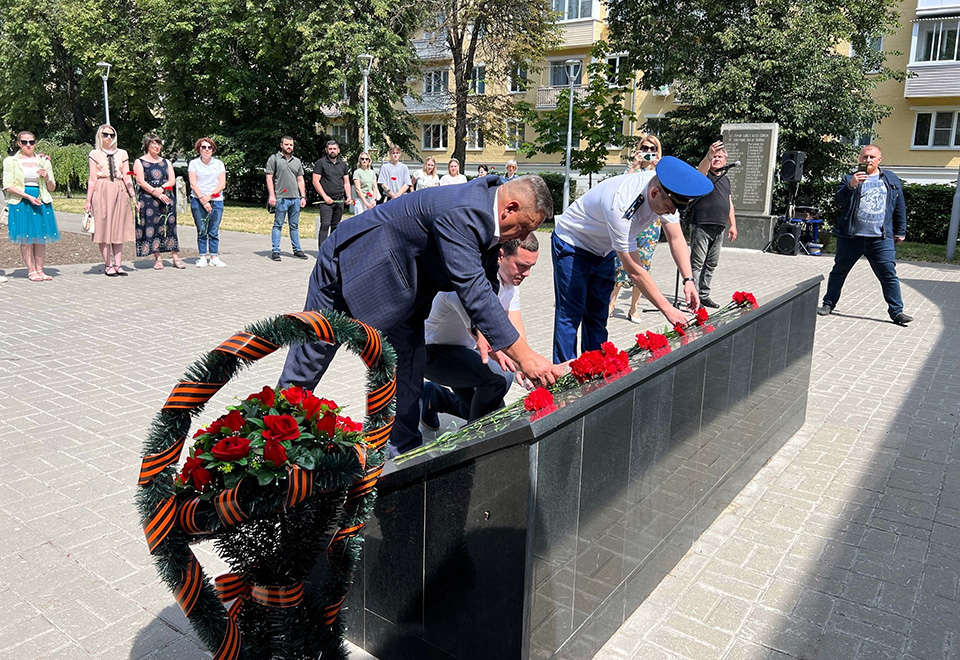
(536, 539)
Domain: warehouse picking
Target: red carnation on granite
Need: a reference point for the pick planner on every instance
(702, 316)
(538, 399)
(744, 298)
(678, 328)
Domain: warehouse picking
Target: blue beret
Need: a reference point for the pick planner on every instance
(682, 183)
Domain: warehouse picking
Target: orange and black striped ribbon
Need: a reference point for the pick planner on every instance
(187, 517)
(189, 590)
(321, 326)
(247, 346)
(361, 455)
(188, 395)
(278, 597)
(230, 646)
(299, 485)
(227, 506)
(237, 587)
(330, 612)
(365, 485)
(343, 534)
(373, 348)
(378, 438)
(154, 464)
(160, 524)
(380, 398)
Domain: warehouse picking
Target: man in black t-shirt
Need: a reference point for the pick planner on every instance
(331, 178)
(708, 218)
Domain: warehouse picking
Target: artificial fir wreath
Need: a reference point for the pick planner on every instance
(271, 525)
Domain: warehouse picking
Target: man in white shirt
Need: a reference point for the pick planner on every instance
(604, 222)
(460, 358)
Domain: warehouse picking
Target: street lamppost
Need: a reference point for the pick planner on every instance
(106, 74)
(365, 60)
(573, 70)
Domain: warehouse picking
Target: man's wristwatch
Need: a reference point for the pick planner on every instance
(687, 279)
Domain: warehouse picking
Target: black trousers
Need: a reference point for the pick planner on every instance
(330, 215)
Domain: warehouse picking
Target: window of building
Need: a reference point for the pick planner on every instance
(937, 41)
(437, 33)
(617, 75)
(936, 130)
(573, 9)
(558, 75)
(859, 140)
(874, 46)
(436, 81)
(474, 137)
(478, 80)
(340, 133)
(435, 137)
(517, 83)
(515, 130)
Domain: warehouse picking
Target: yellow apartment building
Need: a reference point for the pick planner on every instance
(920, 139)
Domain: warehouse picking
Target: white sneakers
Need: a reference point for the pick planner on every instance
(214, 261)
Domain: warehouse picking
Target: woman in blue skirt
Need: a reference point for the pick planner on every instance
(28, 182)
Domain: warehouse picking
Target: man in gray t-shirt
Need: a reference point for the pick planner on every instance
(394, 178)
(287, 192)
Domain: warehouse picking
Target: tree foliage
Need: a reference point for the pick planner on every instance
(245, 72)
(782, 61)
(598, 118)
(503, 35)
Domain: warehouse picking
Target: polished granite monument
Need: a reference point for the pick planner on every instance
(537, 540)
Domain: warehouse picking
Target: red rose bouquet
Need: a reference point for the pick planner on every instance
(264, 434)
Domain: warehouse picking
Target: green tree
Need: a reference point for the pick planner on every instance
(50, 83)
(503, 36)
(598, 118)
(252, 72)
(782, 61)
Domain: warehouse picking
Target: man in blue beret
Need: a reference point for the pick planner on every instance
(602, 223)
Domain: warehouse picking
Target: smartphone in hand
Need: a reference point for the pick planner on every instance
(862, 167)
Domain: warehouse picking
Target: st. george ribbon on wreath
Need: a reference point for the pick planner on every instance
(270, 524)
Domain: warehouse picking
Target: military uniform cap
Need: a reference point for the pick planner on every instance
(682, 183)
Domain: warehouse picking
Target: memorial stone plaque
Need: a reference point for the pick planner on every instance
(755, 146)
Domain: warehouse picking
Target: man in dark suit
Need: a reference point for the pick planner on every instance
(385, 267)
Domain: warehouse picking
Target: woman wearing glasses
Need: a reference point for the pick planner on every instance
(426, 177)
(157, 216)
(28, 182)
(644, 158)
(109, 191)
(208, 178)
(365, 181)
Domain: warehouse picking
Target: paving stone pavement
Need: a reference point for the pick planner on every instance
(847, 544)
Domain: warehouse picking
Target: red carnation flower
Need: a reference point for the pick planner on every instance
(280, 427)
(678, 328)
(744, 298)
(266, 396)
(274, 452)
(231, 449)
(217, 195)
(656, 341)
(702, 316)
(327, 423)
(233, 420)
(538, 399)
(347, 425)
(295, 395)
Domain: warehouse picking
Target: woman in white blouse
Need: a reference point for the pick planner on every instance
(426, 177)
(453, 174)
(208, 178)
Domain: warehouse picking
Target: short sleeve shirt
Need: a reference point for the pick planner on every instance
(331, 176)
(394, 177)
(207, 175)
(872, 209)
(285, 173)
(596, 222)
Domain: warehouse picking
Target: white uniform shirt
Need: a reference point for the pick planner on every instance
(449, 323)
(595, 222)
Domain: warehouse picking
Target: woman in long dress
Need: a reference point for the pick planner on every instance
(109, 193)
(157, 207)
(28, 182)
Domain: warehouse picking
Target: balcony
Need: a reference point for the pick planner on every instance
(937, 7)
(429, 104)
(547, 96)
(432, 49)
(580, 33)
(929, 79)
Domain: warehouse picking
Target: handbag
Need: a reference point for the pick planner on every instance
(87, 224)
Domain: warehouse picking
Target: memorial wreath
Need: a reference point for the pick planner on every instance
(277, 481)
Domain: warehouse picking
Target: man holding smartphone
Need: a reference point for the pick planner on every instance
(873, 219)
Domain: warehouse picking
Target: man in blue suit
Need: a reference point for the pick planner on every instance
(385, 267)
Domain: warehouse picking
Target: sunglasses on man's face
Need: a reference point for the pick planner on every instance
(28, 142)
